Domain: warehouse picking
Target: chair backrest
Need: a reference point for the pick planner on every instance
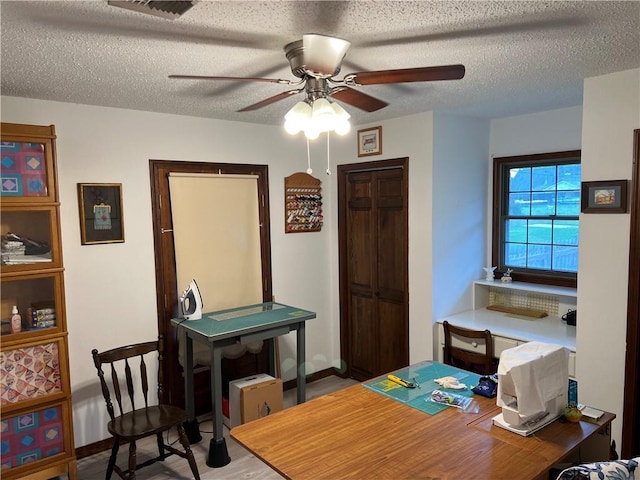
(482, 363)
(120, 360)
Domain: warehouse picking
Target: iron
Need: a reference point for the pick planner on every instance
(191, 302)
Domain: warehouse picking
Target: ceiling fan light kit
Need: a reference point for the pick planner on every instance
(313, 119)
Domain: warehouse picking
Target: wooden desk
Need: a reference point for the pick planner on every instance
(360, 434)
(248, 324)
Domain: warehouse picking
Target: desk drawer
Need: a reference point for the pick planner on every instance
(499, 343)
(502, 343)
(466, 344)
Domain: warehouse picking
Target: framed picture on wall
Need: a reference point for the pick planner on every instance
(370, 141)
(100, 213)
(606, 196)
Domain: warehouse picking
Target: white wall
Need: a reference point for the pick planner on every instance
(550, 131)
(611, 112)
(459, 194)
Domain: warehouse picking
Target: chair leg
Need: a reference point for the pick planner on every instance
(161, 454)
(187, 448)
(132, 460)
(112, 458)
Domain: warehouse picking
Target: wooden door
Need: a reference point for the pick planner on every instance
(631, 414)
(166, 284)
(373, 235)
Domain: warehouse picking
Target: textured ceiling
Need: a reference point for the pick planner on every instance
(520, 57)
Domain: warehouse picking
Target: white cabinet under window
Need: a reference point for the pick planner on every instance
(510, 330)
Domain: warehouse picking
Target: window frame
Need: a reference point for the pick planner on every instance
(500, 206)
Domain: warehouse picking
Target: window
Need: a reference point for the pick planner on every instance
(536, 208)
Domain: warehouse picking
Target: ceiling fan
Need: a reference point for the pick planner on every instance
(317, 59)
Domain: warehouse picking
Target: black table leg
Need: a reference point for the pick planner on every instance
(218, 453)
(300, 354)
(191, 426)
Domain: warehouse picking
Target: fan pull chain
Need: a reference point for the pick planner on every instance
(328, 166)
(309, 171)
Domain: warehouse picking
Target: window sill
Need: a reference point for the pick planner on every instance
(532, 287)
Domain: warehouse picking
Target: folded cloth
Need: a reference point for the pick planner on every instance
(450, 382)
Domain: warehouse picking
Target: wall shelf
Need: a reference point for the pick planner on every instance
(530, 287)
(302, 203)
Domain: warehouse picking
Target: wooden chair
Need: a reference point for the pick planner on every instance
(134, 423)
(482, 362)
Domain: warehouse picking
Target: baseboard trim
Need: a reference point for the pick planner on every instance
(93, 448)
(327, 372)
(107, 443)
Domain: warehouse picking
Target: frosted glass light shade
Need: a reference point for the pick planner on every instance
(340, 112)
(297, 118)
(322, 116)
(341, 123)
(311, 132)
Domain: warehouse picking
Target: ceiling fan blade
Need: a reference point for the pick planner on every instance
(358, 99)
(242, 79)
(405, 75)
(270, 100)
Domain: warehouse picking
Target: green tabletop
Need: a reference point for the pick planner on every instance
(243, 320)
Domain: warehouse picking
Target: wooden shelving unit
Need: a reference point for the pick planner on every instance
(302, 203)
(37, 427)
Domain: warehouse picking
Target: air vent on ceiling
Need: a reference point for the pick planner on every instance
(165, 9)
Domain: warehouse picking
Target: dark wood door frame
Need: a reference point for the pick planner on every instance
(343, 171)
(164, 250)
(631, 415)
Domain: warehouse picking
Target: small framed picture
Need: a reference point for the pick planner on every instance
(100, 213)
(607, 196)
(370, 141)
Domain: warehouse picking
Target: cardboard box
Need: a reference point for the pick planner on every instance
(253, 397)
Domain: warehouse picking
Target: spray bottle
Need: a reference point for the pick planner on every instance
(16, 320)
